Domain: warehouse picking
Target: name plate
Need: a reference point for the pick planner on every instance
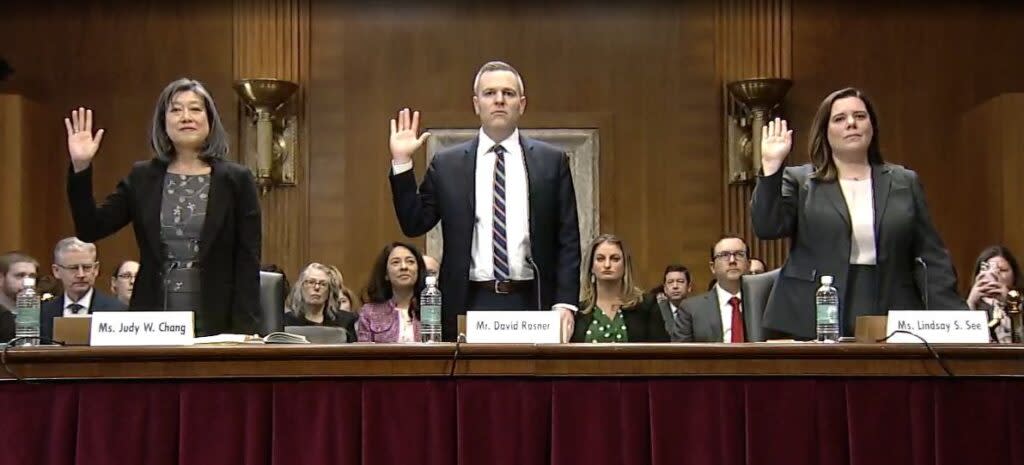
(959, 326)
(142, 329)
(522, 327)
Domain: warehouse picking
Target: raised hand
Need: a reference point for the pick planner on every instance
(404, 138)
(82, 144)
(776, 142)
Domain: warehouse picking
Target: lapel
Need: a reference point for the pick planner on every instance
(469, 173)
(881, 184)
(834, 194)
(216, 207)
(152, 193)
(716, 315)
(530, 160)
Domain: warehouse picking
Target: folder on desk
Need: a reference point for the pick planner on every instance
(72, 331)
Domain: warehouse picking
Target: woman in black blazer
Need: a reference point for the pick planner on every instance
(612, 306)
(850, 215)
(196, 215)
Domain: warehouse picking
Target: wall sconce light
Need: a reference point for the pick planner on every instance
(752, 103)
(275, 130)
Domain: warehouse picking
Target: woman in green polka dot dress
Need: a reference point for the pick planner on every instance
(612, 307)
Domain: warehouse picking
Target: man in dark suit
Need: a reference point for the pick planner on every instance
(14, 268)
(506, 205)
(676, 286)
(75, 265)
(717, 315)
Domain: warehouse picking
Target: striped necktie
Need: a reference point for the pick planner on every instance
(500, 237)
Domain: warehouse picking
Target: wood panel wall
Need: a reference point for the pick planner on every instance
(114, 57)
(651, 74)
(648, 66)
(754, 40)
(925, 66)
(271, 40)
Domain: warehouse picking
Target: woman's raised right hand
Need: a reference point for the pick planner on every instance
(82, 143)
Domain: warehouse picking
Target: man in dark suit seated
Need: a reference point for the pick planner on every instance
(75, 265)
(717, 315)
(676, 286)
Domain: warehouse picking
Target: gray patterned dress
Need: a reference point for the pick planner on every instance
(182, 214)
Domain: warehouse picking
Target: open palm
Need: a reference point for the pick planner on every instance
(404, 138)
(776, 143)
(82, 143)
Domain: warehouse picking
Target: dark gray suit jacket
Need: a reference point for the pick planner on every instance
(54, 308)
(814, 214)
(701, 320)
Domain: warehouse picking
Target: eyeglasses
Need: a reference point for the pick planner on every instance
(126, 276)
(738, 256)
(84, 267)
(315, 283)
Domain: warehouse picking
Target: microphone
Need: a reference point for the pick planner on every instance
(924, 293)
(536, 280)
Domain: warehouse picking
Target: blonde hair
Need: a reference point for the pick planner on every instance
(296, 303)
(631, 293)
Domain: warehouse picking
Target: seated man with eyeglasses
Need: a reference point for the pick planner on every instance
(76, 266)
(717, 315)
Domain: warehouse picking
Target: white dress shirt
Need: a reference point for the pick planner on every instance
(517, 209)
(85, 302)
(406, 332)
(860, 201)
(726, 310)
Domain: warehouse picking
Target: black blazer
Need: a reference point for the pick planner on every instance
(344, 319)
(229, 243)
(701, 320)
(447, 194)
(54, 308)
(643, 323)
(6, 324)
(814, 214)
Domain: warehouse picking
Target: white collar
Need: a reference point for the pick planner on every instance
(85, 301)
(724, 296)
(486, 143)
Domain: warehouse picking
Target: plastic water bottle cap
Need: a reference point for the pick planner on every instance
(826, 280)
(431, 280)
(28, 281)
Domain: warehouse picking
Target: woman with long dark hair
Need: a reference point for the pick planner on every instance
(390, 312)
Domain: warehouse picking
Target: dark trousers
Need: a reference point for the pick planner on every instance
(486, 299)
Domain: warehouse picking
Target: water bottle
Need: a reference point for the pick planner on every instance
(430, 311)
(826, 302)
(26, 308)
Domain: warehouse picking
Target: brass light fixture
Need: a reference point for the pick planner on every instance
(754, 100)
(275, 130)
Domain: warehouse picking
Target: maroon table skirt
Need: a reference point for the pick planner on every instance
(497, 421)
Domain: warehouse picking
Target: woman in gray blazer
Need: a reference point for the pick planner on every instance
(850, 215)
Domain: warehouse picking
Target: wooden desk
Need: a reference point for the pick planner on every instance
(568, 360)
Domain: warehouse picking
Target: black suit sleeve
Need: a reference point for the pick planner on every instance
(568, 266)
(773, 206)
(93, 222)
(417, 210)
(246, 312)
(941, 291)
(6, 325)
(655, 323)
